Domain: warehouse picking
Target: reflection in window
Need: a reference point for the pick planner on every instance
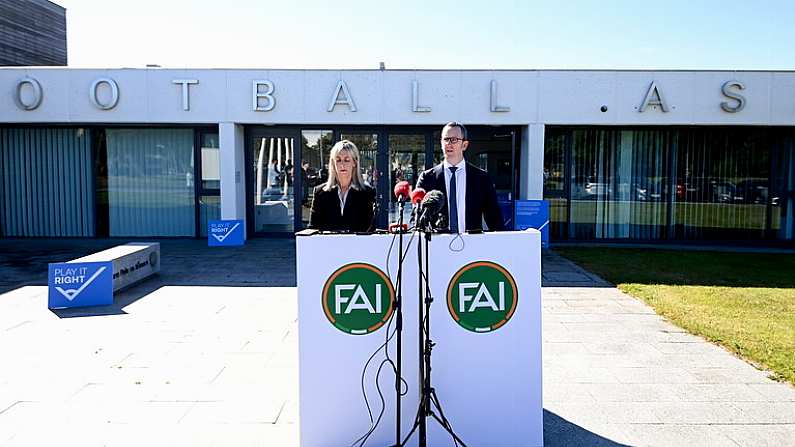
(209, 209)
(211, 172)
(150, 182)
(554, 181)
(273, 183)
(782, 191)
(722, 184)
(406, 162)
(367, 143)
(315, 147)
(687, 183)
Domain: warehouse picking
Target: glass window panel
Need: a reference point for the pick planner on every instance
(722, 184)
(273, 183)
(209, 209)
(554, 180)
(406, 162)
(367, 143)
(618, 183)
(46, 182)
(150, 182)
(211, 172)
(315, 147)
(782, 195)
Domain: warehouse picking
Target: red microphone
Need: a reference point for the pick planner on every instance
(417, 195)
(402, 190)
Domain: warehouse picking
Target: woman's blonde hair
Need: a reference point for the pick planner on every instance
(357, 182)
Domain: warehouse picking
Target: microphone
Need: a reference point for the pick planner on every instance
(417, 195)
(402, 189)
(416, 202)
(432, 206)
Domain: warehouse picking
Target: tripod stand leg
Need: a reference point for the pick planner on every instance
(413, 427)
(448, 429)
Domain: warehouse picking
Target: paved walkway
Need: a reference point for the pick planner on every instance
(188, 359)
(616, 373)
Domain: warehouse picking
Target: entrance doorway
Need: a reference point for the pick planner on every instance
(271, 180)
(280, 200)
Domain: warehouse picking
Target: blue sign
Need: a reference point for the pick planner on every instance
(506, 208)
(79, 284)
(533, 214)
(224, 233)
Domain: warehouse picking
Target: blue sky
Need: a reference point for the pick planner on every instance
(487, 34)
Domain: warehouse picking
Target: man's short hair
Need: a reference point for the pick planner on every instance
(460, 126)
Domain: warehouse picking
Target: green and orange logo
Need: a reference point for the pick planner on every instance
(482, 296)
(357, 298)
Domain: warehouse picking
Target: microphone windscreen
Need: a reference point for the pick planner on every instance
(417, 195)
(402, 188)
(433, 202)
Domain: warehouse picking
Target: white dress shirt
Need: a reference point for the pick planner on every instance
(343, 199)
(460, 189)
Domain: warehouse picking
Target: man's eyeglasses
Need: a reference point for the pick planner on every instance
(452, 140)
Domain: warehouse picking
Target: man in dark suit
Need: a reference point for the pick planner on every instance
(470, 193)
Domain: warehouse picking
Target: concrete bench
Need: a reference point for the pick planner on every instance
(132, 262)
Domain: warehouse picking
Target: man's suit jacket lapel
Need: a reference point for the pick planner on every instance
(472, 194)
(441, 184)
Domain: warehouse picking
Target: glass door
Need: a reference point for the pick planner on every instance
(406, 162)
(315, 148)
(209, 186)
(271, 156)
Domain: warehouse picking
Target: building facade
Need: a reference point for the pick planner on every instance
(32, 32)
(620, 155)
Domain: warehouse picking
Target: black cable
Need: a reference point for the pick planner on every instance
(374, 424)
(450, 246)
(367, 435)
(364, 393)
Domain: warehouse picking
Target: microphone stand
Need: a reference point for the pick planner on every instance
(399, 320)
(428, 397)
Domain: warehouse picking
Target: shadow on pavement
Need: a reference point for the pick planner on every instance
(560, 432)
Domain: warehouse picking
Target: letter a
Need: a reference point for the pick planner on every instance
(653, 97)
(359, 300)
(483, 299)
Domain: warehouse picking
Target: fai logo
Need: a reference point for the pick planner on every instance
(482, 296)
(357, 298)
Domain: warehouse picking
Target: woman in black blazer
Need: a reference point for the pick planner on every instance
(345, 202)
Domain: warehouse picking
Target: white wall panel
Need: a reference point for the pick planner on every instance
(207, 98)
(676, 88)
(757, 94)
(563, 94)
(385, 97)
(132, 96)
(55, 96)
(782, 99)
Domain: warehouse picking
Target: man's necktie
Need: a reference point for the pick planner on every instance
(453, 201)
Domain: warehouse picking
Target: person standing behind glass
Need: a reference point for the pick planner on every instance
(344, 202)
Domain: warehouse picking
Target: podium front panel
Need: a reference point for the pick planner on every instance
(487, 330)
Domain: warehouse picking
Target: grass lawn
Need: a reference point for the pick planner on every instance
(742, 301)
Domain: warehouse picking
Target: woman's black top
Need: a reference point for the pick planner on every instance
(356, 217)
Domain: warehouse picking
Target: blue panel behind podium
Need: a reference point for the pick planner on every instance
(80, 284)
(534, 214)
(225, 233)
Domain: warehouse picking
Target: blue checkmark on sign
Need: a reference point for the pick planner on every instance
(225, 233)
(79, 284)
(533, 214)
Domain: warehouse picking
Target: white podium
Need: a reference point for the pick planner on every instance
(485, 320)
